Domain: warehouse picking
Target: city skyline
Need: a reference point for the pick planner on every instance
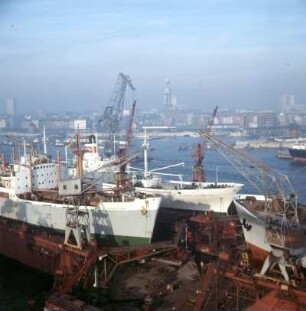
(235, 54)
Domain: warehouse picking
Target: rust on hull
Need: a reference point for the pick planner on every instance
(258, 255)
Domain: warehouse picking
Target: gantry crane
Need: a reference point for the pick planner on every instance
(109, 123)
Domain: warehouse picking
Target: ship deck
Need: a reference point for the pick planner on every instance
(90, 198)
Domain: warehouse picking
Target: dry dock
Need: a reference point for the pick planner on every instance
(204, 266)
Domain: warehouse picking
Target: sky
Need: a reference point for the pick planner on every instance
(65, 55)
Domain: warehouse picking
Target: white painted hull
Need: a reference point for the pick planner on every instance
(257, 231)
(217, 199)
(256, 234)
(128, 222)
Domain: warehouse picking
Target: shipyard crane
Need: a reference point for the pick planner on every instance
(121, 179)
(130, 129)
(279, 219)
(266, 180)
(109, 122)
(198, 174)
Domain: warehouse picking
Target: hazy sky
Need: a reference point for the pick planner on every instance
(66, 55)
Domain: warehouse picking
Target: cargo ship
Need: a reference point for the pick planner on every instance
(298, 152)
(30, 192)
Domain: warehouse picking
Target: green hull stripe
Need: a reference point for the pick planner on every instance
(122, 240)
(101, 239)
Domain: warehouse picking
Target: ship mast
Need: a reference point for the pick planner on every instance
(45, 141)
(59, 167)
(145, 146)
(145, 154)
(30, 169)
(24, 150)
(79, 156)
(2, 162)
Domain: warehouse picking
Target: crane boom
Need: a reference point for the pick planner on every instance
(266, 180)
(212, 120)
(262, 177)
(110, 120)
(130, 128)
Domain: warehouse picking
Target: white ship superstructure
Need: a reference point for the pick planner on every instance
(95, 166)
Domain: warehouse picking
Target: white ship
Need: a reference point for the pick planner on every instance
(273, 229)
(185, 195)
(259, 215)
(29, 193)
(202, 196)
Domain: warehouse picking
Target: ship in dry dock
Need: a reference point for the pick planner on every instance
(274, 227)
(31, 192)
(273, 222)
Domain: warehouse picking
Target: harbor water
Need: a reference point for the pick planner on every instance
(168, 151)
(19, 284)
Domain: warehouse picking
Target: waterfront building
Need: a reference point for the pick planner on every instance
(266, 119)
(3, 123)
(80, 124)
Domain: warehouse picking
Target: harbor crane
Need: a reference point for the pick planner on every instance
(121, 178)
(109, 122)
(283, 231)
(198, 174)
(265, 179)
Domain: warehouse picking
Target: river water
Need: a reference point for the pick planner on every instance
(19, 284)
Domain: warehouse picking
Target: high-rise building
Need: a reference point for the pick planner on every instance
(41, 114)
(287, 102)
(167, 94)
(10, 106)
